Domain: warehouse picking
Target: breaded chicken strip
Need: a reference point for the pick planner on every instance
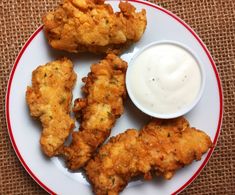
(49, 100)
(161, 147)
(105, 90)
(91, 25)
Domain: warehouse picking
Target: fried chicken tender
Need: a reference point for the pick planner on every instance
(91, 25)
(49, 100)
(161, 147)
(105, 91)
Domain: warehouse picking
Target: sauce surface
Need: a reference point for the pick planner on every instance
(165, 78)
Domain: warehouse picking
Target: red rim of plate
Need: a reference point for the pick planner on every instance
(177, 19)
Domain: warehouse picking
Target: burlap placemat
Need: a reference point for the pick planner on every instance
(213, 20)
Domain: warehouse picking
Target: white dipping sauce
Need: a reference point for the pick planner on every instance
(165, 78)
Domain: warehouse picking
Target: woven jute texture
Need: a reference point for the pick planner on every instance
(213, 20)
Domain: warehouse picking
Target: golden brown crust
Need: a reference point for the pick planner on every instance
(105, 90)
(49, 100)
(91, 25)
(161, 147)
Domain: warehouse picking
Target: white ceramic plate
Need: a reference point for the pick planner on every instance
(51, 174)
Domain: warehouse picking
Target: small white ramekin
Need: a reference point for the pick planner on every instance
(184, 109)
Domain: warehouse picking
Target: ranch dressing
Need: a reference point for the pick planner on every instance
(165, 78)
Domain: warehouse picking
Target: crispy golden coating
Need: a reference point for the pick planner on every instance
(161, 147)
(49, 100)
(91, 25)
(105, 90)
